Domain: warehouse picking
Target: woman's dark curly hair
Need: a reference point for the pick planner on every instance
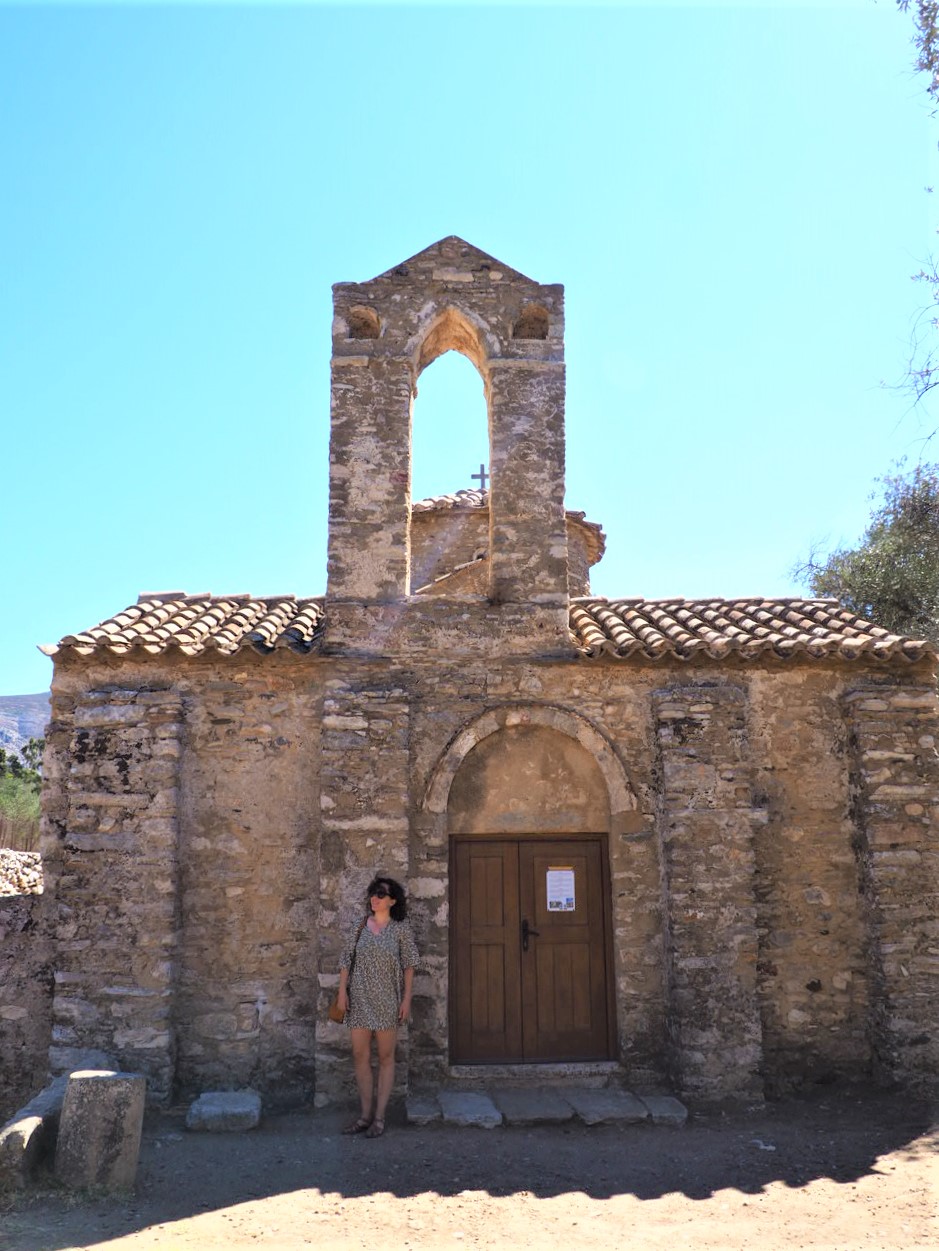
(399, 908)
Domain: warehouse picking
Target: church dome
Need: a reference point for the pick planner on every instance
(450, 545)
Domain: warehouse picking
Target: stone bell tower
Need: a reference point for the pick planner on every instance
(385, 332)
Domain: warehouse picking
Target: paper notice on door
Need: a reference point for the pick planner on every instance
(561, 897)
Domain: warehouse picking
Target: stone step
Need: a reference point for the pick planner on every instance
(546, 1105)
(597, 1074)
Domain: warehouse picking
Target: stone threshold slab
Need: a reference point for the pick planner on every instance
(487, 1109)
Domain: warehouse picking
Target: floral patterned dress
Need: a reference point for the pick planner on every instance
(377, 981)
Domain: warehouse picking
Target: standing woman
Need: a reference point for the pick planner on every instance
(377, 996)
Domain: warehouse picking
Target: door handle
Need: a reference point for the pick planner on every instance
(527, 932)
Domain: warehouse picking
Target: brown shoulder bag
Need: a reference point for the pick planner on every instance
(335, 1012)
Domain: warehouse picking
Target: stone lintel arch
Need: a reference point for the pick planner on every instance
(452, 329)
(622, 796)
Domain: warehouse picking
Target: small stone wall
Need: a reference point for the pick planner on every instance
(896, 777)
(25, 1000)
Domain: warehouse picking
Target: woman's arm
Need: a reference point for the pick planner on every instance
(404, 1011)
(343, 996)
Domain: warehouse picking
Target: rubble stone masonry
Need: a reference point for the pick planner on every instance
(207, 848)
(896, 781)
(707, 819)
(26, 967)
(110, 852)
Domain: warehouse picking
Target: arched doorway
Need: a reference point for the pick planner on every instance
(528, 817)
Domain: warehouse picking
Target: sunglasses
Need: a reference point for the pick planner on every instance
(382, 892)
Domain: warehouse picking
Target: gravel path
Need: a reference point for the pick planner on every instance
(850, 1171)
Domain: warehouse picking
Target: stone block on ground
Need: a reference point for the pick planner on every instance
(607, 1107)
(28, 1137)
(665, 1110)
(23, 1142)
(466, 1107)
(99, 1129)
(422, 1109)
(538, 1106)
(225, 1111)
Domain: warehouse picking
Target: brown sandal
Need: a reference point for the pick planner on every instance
(376, 1129)
(359, 1127)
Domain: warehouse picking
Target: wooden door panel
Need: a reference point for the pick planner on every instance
(486, 999)
(549, 1002)
(564, 970)
(487, 990)
(564, 999)
(487, 889)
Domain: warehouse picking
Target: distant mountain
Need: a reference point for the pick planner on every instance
(22, 717)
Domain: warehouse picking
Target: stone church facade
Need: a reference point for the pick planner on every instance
(686, 844)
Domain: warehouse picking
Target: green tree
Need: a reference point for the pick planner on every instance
(922, 371)
(926, 39)
(32, 753)
(20, 785)
(892, 576)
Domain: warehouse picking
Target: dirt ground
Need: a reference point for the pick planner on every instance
(842, 1170)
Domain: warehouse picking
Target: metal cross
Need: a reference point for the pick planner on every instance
(482, 477)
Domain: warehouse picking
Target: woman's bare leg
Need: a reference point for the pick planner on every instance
(362, 1059)
(385, 1040)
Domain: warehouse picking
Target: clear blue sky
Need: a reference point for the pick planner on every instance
(733, 195)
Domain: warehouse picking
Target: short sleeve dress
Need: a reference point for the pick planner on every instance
(377, 981)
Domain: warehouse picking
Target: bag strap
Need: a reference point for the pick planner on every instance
(354, 946)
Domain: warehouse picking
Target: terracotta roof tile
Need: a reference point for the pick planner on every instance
(458, 499)
(748, 628)
(645, 629)
(198, 623)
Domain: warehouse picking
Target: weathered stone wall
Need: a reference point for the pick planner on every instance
(207, 850)
(896, 778)
(578, 562)
(813, 964)
(365, 823)
(248, 898)
(111, 864)
(220, 938)
(528, 777)
(706, 827)
(422, 631)
(25, 1001)
(444, 538)
(762, 980)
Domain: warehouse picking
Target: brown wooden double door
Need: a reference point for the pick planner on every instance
(529, 951)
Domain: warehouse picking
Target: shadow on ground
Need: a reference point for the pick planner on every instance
(841, 1137)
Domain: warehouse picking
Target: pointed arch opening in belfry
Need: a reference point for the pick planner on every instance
(450, 445)
(449, 428)
(453, 330)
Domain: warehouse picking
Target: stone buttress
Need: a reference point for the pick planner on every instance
(111, 856)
